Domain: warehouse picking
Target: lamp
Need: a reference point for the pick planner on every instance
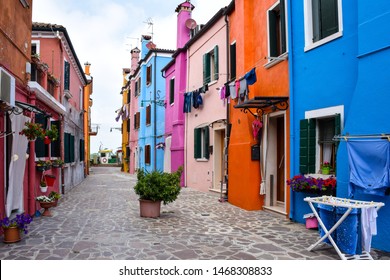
(157, 102)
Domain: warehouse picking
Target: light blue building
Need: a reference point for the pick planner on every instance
(339, 55)
(151, 104)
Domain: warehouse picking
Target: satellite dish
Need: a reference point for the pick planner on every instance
(190, 23)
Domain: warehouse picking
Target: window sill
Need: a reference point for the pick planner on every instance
(67, 94)
(319, 175)
(279, 59)
(321, 42)
(201, 159)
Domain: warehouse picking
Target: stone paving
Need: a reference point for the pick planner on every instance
(99, 220)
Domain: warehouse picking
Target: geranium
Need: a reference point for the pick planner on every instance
(326, 164)
(301, 183)
(44, 198)
(20, 221)
(32, 131)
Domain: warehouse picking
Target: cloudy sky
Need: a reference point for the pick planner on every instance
(103, 32)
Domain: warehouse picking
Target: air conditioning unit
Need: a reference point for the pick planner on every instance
(7, 87)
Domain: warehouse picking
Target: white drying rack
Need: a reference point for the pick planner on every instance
(350, 204)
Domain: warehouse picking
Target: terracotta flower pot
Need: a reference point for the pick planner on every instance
(149, 209)
(50, 179)
(46, 206)
(11, 235)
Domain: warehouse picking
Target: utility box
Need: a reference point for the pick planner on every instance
(255, 152)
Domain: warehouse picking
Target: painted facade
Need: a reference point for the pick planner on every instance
(175, 73)
(205, 121)
(259, 162)
(329, 94)
(66, 100)
(89, 130)
(17, 173)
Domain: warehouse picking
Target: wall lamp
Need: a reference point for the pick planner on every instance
(157, 102)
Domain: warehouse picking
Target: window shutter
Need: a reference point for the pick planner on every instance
(337, 128)
(206, 142)
(197, 143)
(329, 17)
(172, 91)
(316, 20)
(67, 76)
(66, 147)
(283, 26)
(216, 63)
(307, 146)
(233, 61)
(56, 145)
(128, 125)
(71, 148)
(273, 44)
(206, 68)
(81, 150)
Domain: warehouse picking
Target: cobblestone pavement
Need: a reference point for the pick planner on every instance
(99, 220)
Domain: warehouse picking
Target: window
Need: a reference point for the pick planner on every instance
(201, 143)
(210, 66)
(277, 30)
(147, 154)
(323, 22)
(149, 75)
(68, 147)
(81, 147)
(233, 61)
(148, 114)
(136, 120)
(128, 125)
(56, 144)
(66, 76)
(128, 96)
(41, 150)
(316, 142)
(172, 91)
(137, 89)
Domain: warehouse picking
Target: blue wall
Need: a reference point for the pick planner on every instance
(352, 71)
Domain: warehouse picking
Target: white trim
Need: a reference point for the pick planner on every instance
(327, 112)
(308, 19)
(44, 96)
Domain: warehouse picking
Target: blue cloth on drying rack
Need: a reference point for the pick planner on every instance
(369, 166)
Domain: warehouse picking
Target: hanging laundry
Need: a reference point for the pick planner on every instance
(196, 99)
(368, 225)
(233, 91)
(369, 166)
(237, 87)
(250, 77)
(227, 90)
(222, 91)
(187, 102)
(243, 92)
(205, 88)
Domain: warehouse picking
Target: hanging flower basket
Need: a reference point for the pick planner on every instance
(32, 131)
(50, 179)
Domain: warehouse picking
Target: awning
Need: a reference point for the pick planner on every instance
(264, 103)
(29, 107)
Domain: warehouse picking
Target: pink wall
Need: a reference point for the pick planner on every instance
(133, 135)
(199, 173)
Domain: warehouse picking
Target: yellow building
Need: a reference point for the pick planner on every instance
(125, 120)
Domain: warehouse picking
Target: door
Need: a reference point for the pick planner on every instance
(280, 155)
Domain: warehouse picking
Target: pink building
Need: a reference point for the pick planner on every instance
(175, 73)
(205, 117)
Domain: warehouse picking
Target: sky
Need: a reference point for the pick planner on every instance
(103, 33)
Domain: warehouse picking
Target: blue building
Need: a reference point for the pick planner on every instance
(339, 55)
(151, 104)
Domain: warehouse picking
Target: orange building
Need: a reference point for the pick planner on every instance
(258, 160)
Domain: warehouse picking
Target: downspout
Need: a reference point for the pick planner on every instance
(155, 113)
(227, 134)
(31, 167)
(291, 86)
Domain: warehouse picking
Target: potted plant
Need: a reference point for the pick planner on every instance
(55, 196)
(45, 202)
(308, 184)
(50, 134)
(43, 165)
(32, 131)
(57, 163)
(13, 227)
(43, 185)
(156, 187)
(325, 168)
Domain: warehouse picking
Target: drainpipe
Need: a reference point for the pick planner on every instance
(227, 134)
(31, 168)
(292, 130)
(155, 112)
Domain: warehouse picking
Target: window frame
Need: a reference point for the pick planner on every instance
(278, 25)
(202, 143)
(308, 26)
(147, 155)
(149, 75)
(172, 91)
(148, 114)
(211, 66)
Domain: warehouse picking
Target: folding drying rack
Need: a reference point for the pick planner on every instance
(350, 204)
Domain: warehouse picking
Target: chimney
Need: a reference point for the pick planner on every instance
(183, 11)
(134, 59)
(87, 65)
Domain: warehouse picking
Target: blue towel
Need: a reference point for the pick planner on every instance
(369, 165)
(250, 77)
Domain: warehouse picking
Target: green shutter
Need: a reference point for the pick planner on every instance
(71, 148)
(273, 38)
(329, 17)
(66, 75)
(316, 20)
(197, 143)
(307, 146)
(337, 128)
(283, 26)
(66, 147)
(40, 148)
(206, 68)
(81, 148)
(216, 63)
(206, 142)
(56, 145)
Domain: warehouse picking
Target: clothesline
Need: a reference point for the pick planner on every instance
(366, 136)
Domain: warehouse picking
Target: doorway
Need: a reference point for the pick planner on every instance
(219, 162)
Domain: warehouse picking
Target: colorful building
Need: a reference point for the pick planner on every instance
(258, 161)
(339, 97)
(175, 73)
(205, 107)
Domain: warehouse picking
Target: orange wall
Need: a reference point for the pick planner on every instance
(248, 27)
